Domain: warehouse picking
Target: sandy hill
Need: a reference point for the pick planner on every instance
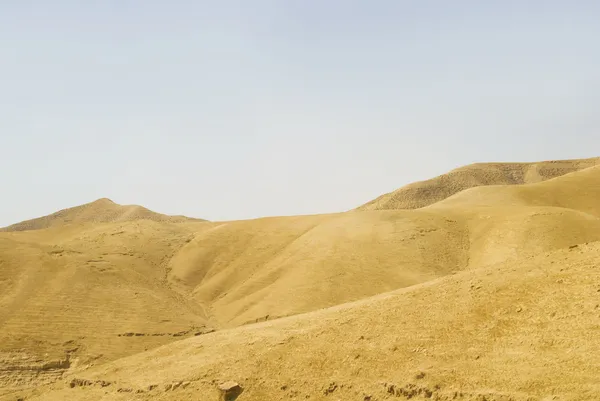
(100, 211)
(79, 295)
(424, 193)
(518, 331)
(465, 283)
(260, 269)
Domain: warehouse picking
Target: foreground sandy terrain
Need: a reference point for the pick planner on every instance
(490, 292)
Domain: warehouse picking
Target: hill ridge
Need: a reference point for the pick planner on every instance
(427, 192)
(102, 210)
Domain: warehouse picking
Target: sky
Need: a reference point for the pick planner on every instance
(240, 109)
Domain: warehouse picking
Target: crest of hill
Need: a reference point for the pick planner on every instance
(100, 211)
(425, 193)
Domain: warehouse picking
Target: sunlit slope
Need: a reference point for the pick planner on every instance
(512, 221)
(578, 191)
(89, 293)
(280, 266)
(424, 193)
(525, 330)
(113, 289)
(262, 269)
(100, 211)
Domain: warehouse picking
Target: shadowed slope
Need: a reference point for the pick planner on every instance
(100, 211)
(424, 193)
(520, 331)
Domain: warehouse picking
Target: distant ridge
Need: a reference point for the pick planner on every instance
(424, 193)
(102, 210)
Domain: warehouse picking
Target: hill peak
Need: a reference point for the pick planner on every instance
(102, 210)
(104, 201)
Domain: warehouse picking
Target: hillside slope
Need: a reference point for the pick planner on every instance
(424, 193)
(114, 289)
(100, 211)
(267, 268)
(262, 269)
(79, 295)
(526, 330)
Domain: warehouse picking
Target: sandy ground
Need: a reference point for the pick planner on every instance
(491, 291)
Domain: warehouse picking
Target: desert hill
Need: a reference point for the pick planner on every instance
(100, 211)
(424, 193)
(251, 270)
(519, 331)
(114, 289)
(79, 295)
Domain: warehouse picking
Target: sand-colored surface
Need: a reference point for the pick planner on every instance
(424, 193)
(490, 293)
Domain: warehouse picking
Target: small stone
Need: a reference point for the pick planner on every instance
(229, 390)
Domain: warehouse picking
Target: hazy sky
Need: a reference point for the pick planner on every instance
(239, 109)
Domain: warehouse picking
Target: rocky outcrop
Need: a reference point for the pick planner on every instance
(19, 370)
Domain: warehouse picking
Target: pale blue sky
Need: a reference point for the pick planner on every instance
(240, 109)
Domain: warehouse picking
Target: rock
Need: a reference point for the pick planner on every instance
(332, 387)
(229, 391)
(79, 383)
(185, 384)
